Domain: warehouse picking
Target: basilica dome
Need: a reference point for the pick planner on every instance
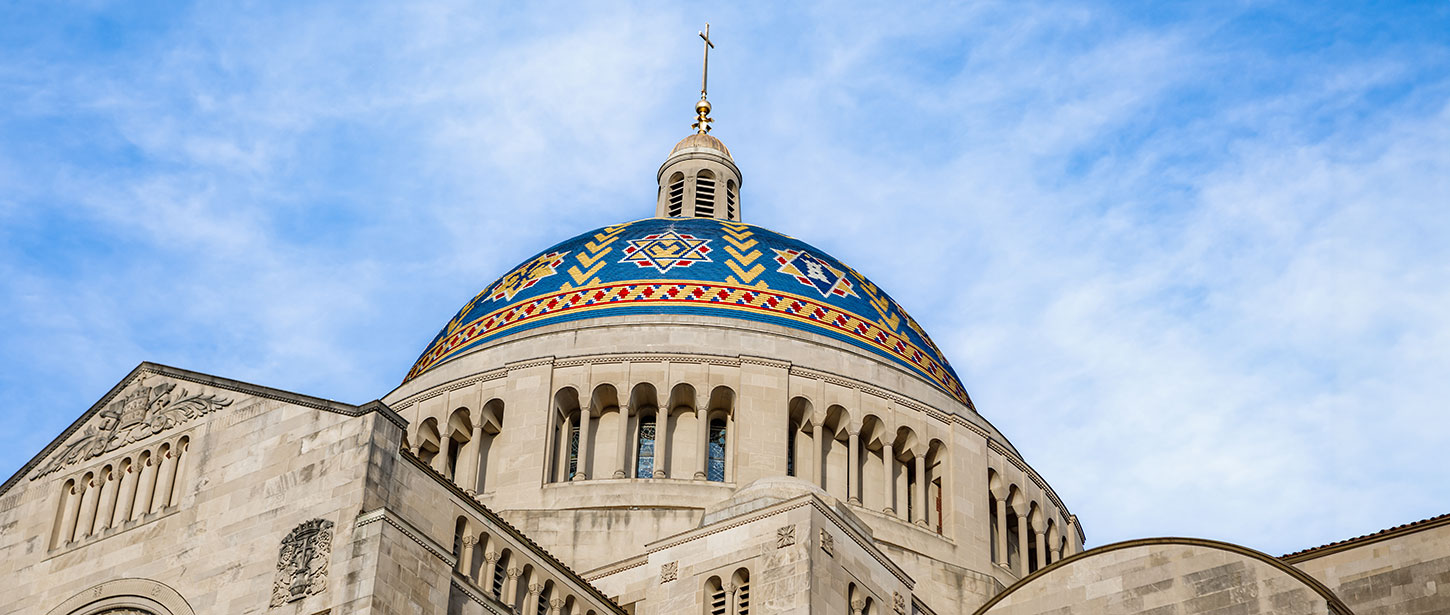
(694, 266)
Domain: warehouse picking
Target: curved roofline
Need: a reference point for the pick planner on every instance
(696, 266)
(1303, 577)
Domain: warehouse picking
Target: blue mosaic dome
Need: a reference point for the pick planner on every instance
(698, 266)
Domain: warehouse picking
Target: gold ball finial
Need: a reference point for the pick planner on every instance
(702, 118)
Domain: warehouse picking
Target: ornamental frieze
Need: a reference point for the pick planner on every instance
(140, 414)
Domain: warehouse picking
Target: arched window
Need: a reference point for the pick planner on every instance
(790, 449)
(573, 449)
(644, 466)
(677, 195)
(730, 200)
(705, 195)
(460, 529)
(715, 470)
(742, 591)
(500, 572)
(993, 526)
(545, 595)
(714, 597)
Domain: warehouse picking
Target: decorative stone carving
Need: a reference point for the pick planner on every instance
(784, 536)
(898, 602)
(536, 589)
(669, 572)
(828, 543)
(858, 605)
(469, 541)
(302, 563)
(143, 412)
(513, 573)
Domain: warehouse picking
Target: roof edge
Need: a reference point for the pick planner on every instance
(1359, 541)
(238, 386)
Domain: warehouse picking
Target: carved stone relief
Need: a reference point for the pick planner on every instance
(898, 603)
(144, 412)
(784, 536)
(302, 563)
(669, 572)
(828, 542)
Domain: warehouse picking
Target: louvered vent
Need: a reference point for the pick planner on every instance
(704, 197)
(717, 602)
(677, 196)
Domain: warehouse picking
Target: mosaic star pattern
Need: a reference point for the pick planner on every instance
(666, 250)
(666, 267)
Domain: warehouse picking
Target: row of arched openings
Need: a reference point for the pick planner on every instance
(728, 596)
(496, 568)
(141, 483)
(1024, 539)
(868, 463)
(705, 195)
(462, 449)
(680, 436)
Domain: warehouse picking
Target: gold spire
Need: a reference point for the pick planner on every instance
(702, 108)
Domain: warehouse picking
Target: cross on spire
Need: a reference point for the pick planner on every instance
(702, 108)
(705, 74)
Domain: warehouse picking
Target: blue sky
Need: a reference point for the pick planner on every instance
(1193, 259)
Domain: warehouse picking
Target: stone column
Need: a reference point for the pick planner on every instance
(702, 435)
(853, 469)
(730, 589)
(1041, 549)
(161, 495)
(662, 441)
(178, 475)
(888, 482)
(470, 457)
(818, 458)
(556, 606)
(465, 555)
(107, 505)
(126, 497)
(621, 468)
(486, 571)
(145, 484)
(1022, 545)
(921, 489)
(531, 603)
(68, 519)
(858, 605)
(1001, 537)
(510, 585)
(582, 473)
(1056, 555)
(88, 507)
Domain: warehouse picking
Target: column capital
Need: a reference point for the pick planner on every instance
(535, 588)
(469, 540)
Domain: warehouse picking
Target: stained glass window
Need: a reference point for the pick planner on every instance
(645, 460)
(715, 470)
(573, 450)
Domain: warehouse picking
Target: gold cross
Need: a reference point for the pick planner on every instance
(705, 75)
